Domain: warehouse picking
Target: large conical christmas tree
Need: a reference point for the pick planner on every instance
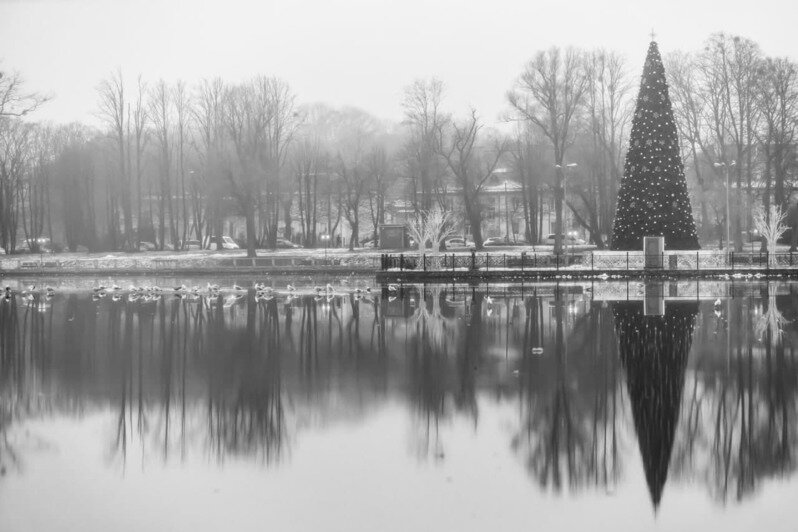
(653, 197)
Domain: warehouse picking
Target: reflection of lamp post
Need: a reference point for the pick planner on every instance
(560, 196)
(726, 169)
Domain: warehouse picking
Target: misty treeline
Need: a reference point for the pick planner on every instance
(171, 162)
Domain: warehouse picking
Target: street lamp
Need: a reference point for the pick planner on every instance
(561, 171)
(726, 169)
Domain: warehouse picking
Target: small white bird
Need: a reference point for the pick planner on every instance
(290, 288)
(718, 303)
(393, 288)
(489, 300)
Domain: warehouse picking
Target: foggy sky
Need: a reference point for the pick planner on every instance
(350, 52)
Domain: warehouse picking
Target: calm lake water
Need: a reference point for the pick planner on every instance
(542, 407)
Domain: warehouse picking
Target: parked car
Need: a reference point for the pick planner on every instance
(567, 240)
(284, 243)
(35, 245)
(211, 242)
(495, 241)
(192, 245)
(458, 242)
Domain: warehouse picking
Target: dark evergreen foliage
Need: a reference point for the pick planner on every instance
(654, 352)
(653, 200)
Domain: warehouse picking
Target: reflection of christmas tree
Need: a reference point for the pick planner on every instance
(652, 200)
(654, 351)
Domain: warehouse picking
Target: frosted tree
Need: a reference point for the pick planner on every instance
(417, 228)
(430, 228)
(771, 226)
(440, 225)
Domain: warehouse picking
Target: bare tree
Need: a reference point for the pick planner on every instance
(114, 112)
(423, 114)
(309, 164)
(15, 101)
(689, 110)
(160, 112)
(549, 94)
(460, 149)
(15, 139)
(279, 133)
(778, 102)
(182, 107)
(206, 188)
(378, 169)
(139, 119)
(734, 62)
(609, 109)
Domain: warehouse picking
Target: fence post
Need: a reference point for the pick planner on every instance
(697, 265)
(505, 261)
(731, 258)
(452, 261)
(627, 261)
(487, 262)
(591, 261)
(401, 261)
(523, 255)
(556, 261)
(767, 261)
(473, 260)
(424, 261)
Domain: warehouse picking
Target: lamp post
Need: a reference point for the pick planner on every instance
(506, 214)
(560, 196)
(726, 169)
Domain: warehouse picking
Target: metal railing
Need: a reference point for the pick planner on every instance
(155, 264)
(601, 261)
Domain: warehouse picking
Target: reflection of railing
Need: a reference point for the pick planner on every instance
(599, 262)
(122, 263)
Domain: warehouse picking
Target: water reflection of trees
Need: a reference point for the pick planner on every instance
(739, 425)
(569, 397)
(244, 379)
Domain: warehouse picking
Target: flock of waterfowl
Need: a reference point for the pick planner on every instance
(230, 294)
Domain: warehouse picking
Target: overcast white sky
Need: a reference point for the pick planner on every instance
(351, 52)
